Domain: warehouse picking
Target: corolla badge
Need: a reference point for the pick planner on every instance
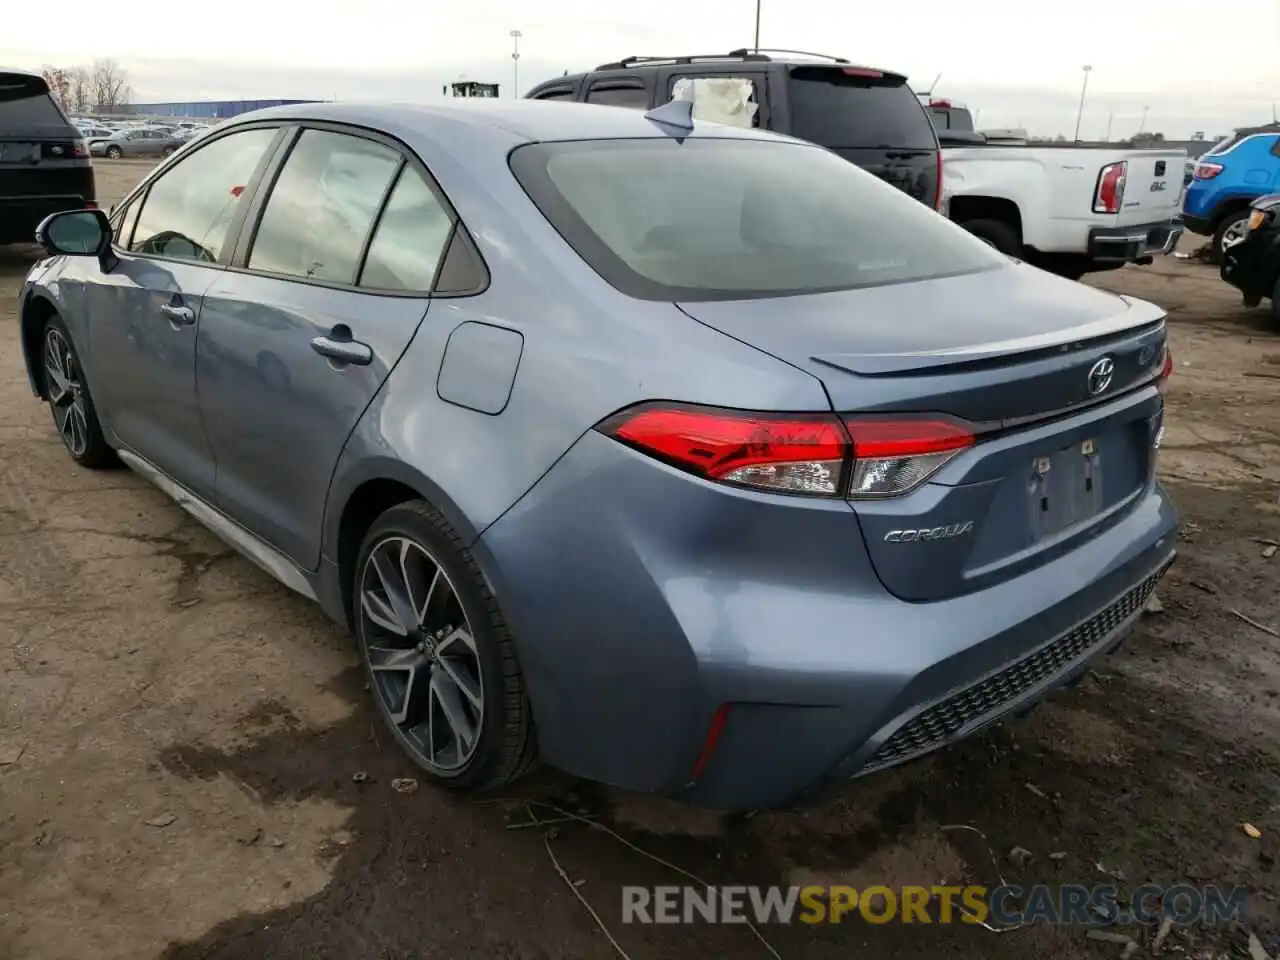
(929, 533)
(1100, 375)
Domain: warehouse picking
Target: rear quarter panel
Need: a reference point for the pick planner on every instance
(587, 352)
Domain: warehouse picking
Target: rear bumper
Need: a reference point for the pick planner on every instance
(1127, 244)
(643, 601)
(19, 216)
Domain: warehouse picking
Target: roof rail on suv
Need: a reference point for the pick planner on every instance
(742, 54)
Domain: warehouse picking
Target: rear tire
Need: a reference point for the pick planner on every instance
(996, 233)
(1229, 228)
(74, 415)
(449, 687)
(114, 153)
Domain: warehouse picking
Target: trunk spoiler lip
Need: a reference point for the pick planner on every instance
(1136, 315)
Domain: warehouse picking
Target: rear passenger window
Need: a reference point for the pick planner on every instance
(188, 211)
(409, 239)
(322, 207)
(635, 97)
(720, 99)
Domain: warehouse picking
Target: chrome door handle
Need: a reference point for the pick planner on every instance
(178, 316)
(343, 351)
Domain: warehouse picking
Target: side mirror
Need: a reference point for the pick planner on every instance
(77, 233)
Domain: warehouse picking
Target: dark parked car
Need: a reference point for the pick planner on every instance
(866, 115)
(690, 459)
(1252, 263)
(44, 163)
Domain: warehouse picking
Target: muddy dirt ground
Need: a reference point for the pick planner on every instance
(190, 768)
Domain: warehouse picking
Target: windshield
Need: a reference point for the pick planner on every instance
(737, 218)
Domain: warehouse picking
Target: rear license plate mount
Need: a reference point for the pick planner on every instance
(1066, 488)
(19, 152)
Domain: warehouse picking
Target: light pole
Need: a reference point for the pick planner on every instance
(515, 63)
(757, 46)
(1142, 128)
(1084, 88)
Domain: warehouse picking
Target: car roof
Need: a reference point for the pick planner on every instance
(512, 121)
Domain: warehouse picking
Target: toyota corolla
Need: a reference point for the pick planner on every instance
(686, 458)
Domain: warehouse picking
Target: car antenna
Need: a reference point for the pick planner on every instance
(675, 118)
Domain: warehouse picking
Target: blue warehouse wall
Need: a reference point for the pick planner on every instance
(219, 109)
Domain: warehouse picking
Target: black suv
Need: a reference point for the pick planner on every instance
(44, 162)
(870, 117)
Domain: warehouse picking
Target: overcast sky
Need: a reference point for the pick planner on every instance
(1016, 62)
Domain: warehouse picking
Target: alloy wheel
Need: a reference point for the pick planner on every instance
(66, 393)
(1234, 233)
(422, 655)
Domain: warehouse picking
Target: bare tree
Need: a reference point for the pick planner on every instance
(80, 91)
(110, 84)
(59, 81)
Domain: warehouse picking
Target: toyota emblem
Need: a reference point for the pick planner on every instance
(1100, 376)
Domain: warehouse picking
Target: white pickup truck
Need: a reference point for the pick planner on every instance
(1069, 208)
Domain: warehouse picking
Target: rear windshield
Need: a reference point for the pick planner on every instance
(25, 104)
(843, 111)
(736, 218)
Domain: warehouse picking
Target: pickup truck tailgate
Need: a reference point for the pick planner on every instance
(1153, 186)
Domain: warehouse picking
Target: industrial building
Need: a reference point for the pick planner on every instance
(201, 109)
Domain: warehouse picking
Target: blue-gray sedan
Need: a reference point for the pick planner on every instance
(686, 458)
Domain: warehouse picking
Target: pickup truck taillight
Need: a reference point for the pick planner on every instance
(1109, 194)
(1207, 171)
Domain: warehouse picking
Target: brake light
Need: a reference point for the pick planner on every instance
(91, 204)
(1109, 194)
(943, 104)
(1166, 371)
(809, 454)
(80, 148)
(1207, 171)
(862, 72)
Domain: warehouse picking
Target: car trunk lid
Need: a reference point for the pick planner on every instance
(1054, 379)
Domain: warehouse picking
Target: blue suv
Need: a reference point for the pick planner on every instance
(1227, 179)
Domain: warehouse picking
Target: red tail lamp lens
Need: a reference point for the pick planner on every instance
(809, 454)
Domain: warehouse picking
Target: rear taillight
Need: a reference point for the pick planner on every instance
(1109, 193)
(863, 72)
(894, 455)
(819, 455)
(1166, 370)
(80, 149)
(1207, 171)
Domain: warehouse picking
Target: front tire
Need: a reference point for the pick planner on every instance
(1230, 231)
(67, 393)
(440, 660)
(114, 153)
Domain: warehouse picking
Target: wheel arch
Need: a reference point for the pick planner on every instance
(365, 493)
(1226, 207)
(966, 207)
(36, 311)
